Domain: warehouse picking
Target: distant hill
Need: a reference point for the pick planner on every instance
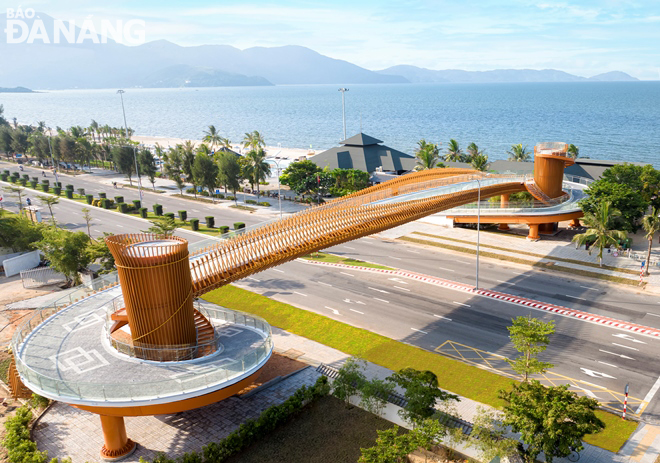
(16, 90)
(422, 75)
(188, 76)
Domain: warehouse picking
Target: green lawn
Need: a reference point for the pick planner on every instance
(325, 257)
(454, 376)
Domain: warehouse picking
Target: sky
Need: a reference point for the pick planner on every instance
(583, 37)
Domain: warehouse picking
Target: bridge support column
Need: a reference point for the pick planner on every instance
(503, 226)
(575, 223)
(504, 200)
(116, 444)
(533, 232)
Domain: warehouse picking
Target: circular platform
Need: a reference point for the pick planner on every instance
(69, 358)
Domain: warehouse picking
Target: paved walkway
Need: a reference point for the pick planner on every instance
(65, 431)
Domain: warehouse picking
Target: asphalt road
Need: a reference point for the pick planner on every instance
(427, 315)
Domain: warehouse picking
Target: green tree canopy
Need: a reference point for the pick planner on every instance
(123, 157)
(98, 251)
(147, 165)
(19, 233)
(349, 380)
(530, 336)
(174, 168)
(427, 155)
(600, 231)
(643, 180)
(229, 172)
(300, 176)
(164, 226)
(518, 153)
(205, 172)
(628, 201)
(651, 225)
(66, 251)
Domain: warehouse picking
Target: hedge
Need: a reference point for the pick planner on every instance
(223, 229)
(119, 199)
(239, 225)
(123, 207)
(250, 201)
(210, 221)
(264, 203)
(58, 184)
(144, 213)
(69, 187)
(20, 448)
(81, 191)
(69, 194)
(158, 209)
(194, 224)
(102, 195)
(26, 177)
(44, 186)
(170, 215)
(105, 203)
(57, 190)
(89, 198)
(137, 204)
(4, 177)
(183, 215)
(33, 185)
(22, 181)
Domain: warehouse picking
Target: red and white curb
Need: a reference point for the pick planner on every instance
(557, 309)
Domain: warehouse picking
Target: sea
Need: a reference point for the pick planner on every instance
(606, 120)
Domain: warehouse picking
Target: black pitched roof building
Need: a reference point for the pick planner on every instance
(365, 153)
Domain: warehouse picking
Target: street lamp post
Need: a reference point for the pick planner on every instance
(137, 172)
(279, 191)
(50, 147)
(343, 108)
(478, 227)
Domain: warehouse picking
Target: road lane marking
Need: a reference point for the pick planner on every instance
(654, 314)
(591, 289)
(399, 280)
(379, 290)
(463, 262)
(403, 289)
(419, 331)
(504, 282)
(253, 279)
(356, 311)
(120, 226)
(325, 284)
(628, 338)
(392, 257)
(349, 274)
(517, 273)
(301, 294)
(649, 396)
(460, 303)
(382, 300)
(334, 311)
(415, 252)
(277, 270)
(608, 364)
(575, 297)
(440, 316)
(194, 210)
(625, 347)
(596, 374)
(446, 269)
(348, 247)
(618, 355)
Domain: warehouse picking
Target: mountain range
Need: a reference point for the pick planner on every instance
(163, 64)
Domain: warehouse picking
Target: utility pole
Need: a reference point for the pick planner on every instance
(343, 108)
(137, 172)
(50, 147)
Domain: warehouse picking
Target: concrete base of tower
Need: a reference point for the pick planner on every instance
(116, 445)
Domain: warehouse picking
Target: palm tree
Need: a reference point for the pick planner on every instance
(93, 129)
(480, 161)
(454, 153)
(518, 153)
(573, 151)
(472, 150)
(651, 224)
(49, 201)
(225, 142)
(211, 136)
(253, 141)
(257, 169)
(204, 149)
(41, 127)
(599, 230)
(427, 155)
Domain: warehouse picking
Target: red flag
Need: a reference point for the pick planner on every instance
(318, 179)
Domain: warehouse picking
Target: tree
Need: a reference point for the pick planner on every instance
(480, 162)
(349, 180)
(188, 159)
(349, 379)
(454, 153)
(66, 251)
(625, 199)
(300, 176)
(212, 137)
(374, 395)
(174, 169)
(148, 166)
(166, 226)
(19, 233)
(50, 201)
(530, 337)
(573, 151)
(599, 229)
(3, 121)
(19, 141)
(123, 157)
(489, 436)
(427, 155)
(253, 141)
(643, 180)
(389, 447)
(518, 153)
(551, 420)
(422, 394)
(229, 172)
(257, 169)
(651, 225)
(18, 191)
(472, 151)
(205, 172)
(87, 216)
(98, 251)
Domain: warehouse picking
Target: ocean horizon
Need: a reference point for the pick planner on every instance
(606, 120)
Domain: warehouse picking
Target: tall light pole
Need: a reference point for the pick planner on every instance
(343, 108)
(478, 227)
(50, 147)
(137, 172)
(279, 191)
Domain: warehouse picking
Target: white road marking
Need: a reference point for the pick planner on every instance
(382, 300)
(379, 290)
(399, 280)
(625, 347)
(120, 226)
(463, 262)
(415, 252)
(194, 210)
(348, 247)
(253, 279)
(325, 284)
(356, 311)
(504, 282)
(618, 355)
(277, 270)
(594, 385)
(349, 274)
(396, 258)
(627, 338)
(419, 331)
(575, 297)
(589, 392)
(359, 302)
(334, 311)
(517, 273)
(596, 374)
(608, 364)
(440, 316)
(446, 269)
(654, 314)
(300, 294)
(650, 395)
(460, 303)
(403, 289)
(591, 289)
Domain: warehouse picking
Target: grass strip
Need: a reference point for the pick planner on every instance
(527, 253)
(243, 208)
(453, 375)
(542, 265)
(332, 258)
(150, 190)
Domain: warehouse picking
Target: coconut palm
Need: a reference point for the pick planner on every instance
(253, 141)
(256, 168)
(212, 137)
(454, 153)
(49, 201)
(599, 229)
(204, 149)
(573, 151)
(651, 225)
(427, 155)
(41, 127)
(480, 161)
(93, 129)
(518, 153)
(472, 150)
(225, 142)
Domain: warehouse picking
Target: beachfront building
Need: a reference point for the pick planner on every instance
(366, 153)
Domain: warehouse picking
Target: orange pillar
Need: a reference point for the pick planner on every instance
(575, 223)
(504, 202)
(116, 444)
(533, 232)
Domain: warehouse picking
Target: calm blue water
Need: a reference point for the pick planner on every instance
(616, 121)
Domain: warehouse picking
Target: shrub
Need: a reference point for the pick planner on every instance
(4, 177)
(123, 207)
(210, 221)
(119, 199)
(69, 187)
(69, 194)
(250, 201)
(194, 223)
(6, 172)
(190, 190)
(22, 181)
(219, 196)
(44, 186)
(183, 215)
(89, 198)
(58, 184)
(33, 185)
(230, 198)
(264, 203)
(137, 203)
(158, 209)
(20, 447)
(170, 215)
(239, 225)
(223, 229)
(102, 195)
(26, 177)
(81, 191)
(35, 179)
(204, 193)
(57, 190)
(105, 203)
(143, 212)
